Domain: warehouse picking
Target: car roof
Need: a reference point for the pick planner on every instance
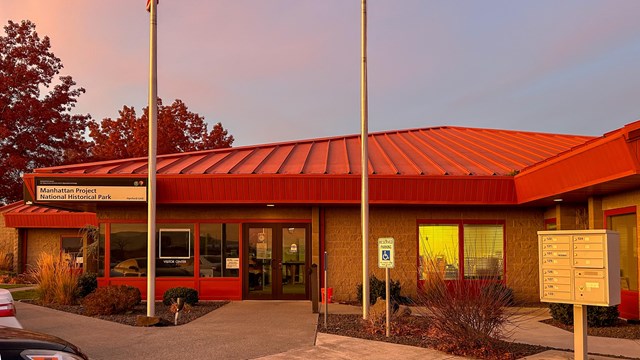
(12, 338)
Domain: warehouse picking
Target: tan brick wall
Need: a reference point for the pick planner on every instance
(9, 241)
(45, 241)
(343, 244)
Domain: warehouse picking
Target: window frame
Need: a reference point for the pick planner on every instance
(461, 247)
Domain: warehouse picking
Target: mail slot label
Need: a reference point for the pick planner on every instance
(588, 239)
(557, 272)
(588, 254)
(588, 246)
(557, 246)
(557, 295)
(558, 280)
(590, 263)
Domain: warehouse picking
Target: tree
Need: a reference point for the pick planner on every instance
(179, 130)
(36, 130)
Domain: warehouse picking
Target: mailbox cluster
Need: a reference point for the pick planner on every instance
(579, 267)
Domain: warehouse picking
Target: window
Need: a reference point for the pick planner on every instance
(219, 251)
(625, 225)
(71, 246)
(450, 250)
(128, 250)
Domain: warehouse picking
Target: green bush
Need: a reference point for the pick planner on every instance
(87, 283)
(111, 300)
(377, 288)
(189, 295)
(597, 316)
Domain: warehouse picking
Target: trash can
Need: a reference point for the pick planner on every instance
(330, 292)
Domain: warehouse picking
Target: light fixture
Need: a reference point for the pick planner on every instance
(270, 205)
(557, 200)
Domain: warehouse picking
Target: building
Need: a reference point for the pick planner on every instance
(248, 222)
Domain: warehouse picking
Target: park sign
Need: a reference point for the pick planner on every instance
(59, 189)
(386, 253)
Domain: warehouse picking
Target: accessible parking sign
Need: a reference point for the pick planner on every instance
(386, 253)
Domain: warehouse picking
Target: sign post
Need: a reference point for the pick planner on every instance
(386, 255)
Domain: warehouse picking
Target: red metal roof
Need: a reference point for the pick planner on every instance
(603, 165)
(432, 151)
(18, 215)
(439, 165)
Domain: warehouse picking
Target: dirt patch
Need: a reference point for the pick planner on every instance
(167, 317)
(415, 331)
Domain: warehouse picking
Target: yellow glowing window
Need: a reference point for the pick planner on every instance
(439, 251)
(482, 255)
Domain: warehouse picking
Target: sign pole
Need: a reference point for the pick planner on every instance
(386, 278)
(153, 131)
(386, 259)
(326, 293)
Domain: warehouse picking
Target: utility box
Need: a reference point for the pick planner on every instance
(579, 267)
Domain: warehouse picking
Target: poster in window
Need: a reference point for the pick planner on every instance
(175, 244)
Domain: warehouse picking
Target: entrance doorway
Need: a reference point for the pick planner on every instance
(276, 263)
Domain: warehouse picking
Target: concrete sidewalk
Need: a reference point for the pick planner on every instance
(275, 330)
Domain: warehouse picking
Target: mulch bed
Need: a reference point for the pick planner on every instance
(620, 330)
(161, 310)
(415, 331)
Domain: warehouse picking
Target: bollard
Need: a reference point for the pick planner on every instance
(315, 286)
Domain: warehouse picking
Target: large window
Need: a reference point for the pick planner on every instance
(450, 251)
(625, 225)
(219, 252)
(128, 250)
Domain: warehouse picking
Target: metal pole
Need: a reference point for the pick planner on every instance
(387, 297)
(326, 291)
(364, 160)
(151, 201)
(580, 332)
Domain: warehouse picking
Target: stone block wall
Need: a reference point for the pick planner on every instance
(45, 241)
(344, 245)
(9, 242)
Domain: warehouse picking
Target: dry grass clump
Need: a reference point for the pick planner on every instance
(57, 279)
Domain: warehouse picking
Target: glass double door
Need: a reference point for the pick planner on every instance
(276, 261)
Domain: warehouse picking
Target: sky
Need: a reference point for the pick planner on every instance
(281, 70)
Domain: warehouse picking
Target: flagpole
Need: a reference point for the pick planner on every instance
(151, 201)
(364, 119)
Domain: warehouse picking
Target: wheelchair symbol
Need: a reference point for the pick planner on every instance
(386, 254)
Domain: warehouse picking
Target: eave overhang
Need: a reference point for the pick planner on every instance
(606, 165)
(318, 189)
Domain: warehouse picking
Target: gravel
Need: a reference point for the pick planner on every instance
(161, 310)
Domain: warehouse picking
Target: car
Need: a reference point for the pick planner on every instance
(8, 310)
(21, 344)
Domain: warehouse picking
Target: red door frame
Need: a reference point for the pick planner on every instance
(629, 307)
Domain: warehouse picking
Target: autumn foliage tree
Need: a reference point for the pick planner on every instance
(37, 128)
(179, 130)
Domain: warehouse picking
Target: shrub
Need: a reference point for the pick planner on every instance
(87, 283)
(111, 300)
(597, 316)
(500, 291)
(57, 279)
(189, 295)
(377, 288)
